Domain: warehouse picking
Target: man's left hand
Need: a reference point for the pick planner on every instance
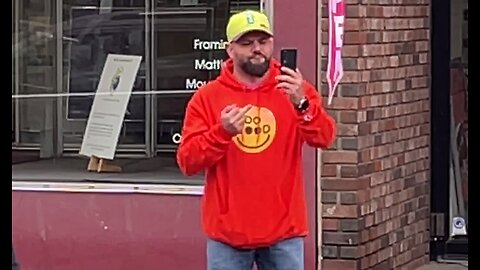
(292, 83)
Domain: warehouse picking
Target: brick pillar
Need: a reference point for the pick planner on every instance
(375, 180)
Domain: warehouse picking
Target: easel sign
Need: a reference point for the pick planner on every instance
(108, 111)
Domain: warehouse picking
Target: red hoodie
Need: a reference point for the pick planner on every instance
(254, 192)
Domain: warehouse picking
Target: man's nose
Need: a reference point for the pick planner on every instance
(256, 46)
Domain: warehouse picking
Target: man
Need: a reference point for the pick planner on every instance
(246, 130)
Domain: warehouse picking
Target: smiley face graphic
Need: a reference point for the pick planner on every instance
(258, 132)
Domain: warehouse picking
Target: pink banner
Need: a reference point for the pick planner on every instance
(336, 17)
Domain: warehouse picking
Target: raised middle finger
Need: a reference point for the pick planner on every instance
(240, 115)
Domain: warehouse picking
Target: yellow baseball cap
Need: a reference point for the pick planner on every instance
(247, 21)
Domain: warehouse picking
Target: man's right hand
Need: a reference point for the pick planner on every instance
(233, 118)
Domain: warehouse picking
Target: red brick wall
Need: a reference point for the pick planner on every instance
(375, 180)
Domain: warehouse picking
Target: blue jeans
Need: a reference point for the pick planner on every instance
(285, 255)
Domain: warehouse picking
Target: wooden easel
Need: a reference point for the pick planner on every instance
(101, 165)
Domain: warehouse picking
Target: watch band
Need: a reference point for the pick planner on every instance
(302, 105)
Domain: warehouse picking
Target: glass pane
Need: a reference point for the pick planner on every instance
(34, 68)
(92, 30)
(180, 67)
(196, 54)
(239, 5)
(198, 30)
(459, 124)
(14, 72)
(170, 117)
(181, 50)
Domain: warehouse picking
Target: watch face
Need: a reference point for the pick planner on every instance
(303, 104)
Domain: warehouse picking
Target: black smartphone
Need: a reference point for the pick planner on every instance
(288, 58)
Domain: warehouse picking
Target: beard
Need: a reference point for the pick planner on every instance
(256, 70)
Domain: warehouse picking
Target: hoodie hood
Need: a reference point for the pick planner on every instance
(227, 78)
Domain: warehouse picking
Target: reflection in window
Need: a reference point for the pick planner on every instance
(170, 113)
(182, 46)
(34, 70)
(14, 73)
(182, 57)
(238, 5)
(459, 110)
(94, 31)
(193, 58)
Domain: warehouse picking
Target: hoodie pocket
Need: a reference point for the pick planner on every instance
(254, 213)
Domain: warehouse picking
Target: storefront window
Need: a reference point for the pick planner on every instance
(14, 72)
(92, 30)
(459, 118)
(34, 58)
(182, 46)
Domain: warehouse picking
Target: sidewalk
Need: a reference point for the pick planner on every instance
(460, 265)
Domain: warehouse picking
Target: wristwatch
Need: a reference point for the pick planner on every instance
(302, 105)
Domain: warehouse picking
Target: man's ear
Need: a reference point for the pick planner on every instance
(229, 50)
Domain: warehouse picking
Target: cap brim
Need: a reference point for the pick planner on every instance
(252, 29)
